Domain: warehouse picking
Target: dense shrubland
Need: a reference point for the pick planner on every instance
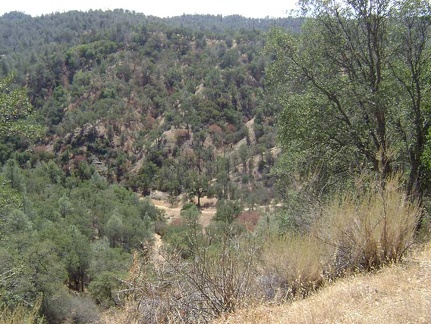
(63, 234)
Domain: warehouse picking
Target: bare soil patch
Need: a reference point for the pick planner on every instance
(173, 212)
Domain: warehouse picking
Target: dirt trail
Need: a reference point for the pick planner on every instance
(155, 255)
(173, 212)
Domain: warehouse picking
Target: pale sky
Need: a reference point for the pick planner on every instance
(161, 8)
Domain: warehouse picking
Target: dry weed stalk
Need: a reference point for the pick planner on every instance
(215, 279)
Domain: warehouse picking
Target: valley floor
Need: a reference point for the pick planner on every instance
(396, 294)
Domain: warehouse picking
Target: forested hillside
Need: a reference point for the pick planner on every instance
(138, 97)
(307, 136)
(121, 104)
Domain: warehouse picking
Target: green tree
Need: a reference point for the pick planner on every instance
(106, 267)
(144, 180)
(243, 153)
(15, 111)
(353, 90)
(223, 168)
(13, 173)
(75, 254)
(198, 185)
(227, 211)
(114, 229)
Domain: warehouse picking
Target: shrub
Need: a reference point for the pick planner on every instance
(372, 225)
(358, 230)
(215, 279)
(64, 307)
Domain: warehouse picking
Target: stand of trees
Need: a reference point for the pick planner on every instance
(355, 90)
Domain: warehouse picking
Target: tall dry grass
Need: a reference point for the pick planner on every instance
(21, 314)
(368, 227)
(358, 230)
(398, 293)
(292, 265)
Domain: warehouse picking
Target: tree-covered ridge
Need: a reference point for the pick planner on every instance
(21, 31)
(133, 93)
(151, 103)
(125, 100)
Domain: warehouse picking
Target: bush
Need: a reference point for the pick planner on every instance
(358, 230)
(368, 227)
(218, 280)
(64, 307)
(214, 279)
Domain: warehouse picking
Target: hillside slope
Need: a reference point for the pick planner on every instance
(166, 104)
(395, 294)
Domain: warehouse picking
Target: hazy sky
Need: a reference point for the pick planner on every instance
(161, 8)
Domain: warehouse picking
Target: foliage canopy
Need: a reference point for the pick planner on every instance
(355, 90)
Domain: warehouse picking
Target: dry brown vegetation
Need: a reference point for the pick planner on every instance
(291, 266)
(21, 314)
(368, 227)
(335, 265)
(359, 231)
(398, 293)
(196, 291)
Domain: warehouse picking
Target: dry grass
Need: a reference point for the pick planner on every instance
(21, 314)
(359, 230)
(291, 266)
(368, 227)
(396, 294)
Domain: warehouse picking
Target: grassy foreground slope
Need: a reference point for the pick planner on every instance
(395, 294)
